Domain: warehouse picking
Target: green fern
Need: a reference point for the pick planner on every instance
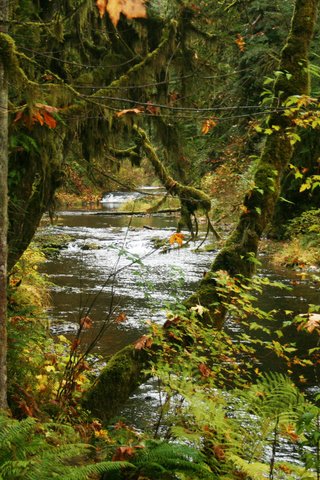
(36, 451)
(163, 460)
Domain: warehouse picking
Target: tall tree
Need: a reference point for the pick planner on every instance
(3, 203)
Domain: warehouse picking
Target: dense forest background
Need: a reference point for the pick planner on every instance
(218, 103)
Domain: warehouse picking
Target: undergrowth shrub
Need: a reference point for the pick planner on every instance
(47, 451)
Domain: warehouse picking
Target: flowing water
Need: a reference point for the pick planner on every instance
(146, 283)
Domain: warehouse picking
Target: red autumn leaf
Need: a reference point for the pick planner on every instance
(129, 111)
(143, 342)
(204, 370)
(152, 109)
(122, 317)
(86, 322)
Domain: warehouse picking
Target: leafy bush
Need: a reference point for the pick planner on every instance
(307, 223)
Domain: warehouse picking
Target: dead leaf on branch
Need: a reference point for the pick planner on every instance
(42, 114)
(86, 322)
(204, 370)
(143, 342)
(130, 111)
(122, 317)
(312, 323)
(129, 8)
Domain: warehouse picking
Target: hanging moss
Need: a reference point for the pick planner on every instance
(192, 199)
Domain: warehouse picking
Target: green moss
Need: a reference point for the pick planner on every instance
(122, 374)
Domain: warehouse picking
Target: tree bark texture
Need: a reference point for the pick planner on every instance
(3, 209)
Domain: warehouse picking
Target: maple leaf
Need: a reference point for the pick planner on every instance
(176, 238)
(123, 453)
(143, 342)
(208, 125)
(129, 8)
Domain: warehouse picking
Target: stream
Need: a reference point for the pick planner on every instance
(146, 284)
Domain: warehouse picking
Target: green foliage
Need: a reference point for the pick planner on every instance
(36, 451)
(217, 399)
(307, 223)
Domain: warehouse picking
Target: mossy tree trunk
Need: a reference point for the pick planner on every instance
(3, 210)
(239, 254)
(258, 207)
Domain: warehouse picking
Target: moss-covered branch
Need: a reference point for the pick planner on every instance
(124, 372)
(192, 199)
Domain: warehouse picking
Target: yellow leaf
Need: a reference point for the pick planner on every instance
(63, 339)
(49, 368)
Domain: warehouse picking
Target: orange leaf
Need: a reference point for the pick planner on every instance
(219, 452)
(176, 238)
(313, 323)
(204, 370)
(143, 342)
(134, 111)
(122, 317)
(208, 125)
(240, 42)
(123, 453)
(86, 322)
(102, 6)
(49, 120)
(129, 8)
(37, 117)
(18, 116)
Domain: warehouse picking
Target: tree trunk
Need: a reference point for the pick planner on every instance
(3, 210)
(238, 255)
